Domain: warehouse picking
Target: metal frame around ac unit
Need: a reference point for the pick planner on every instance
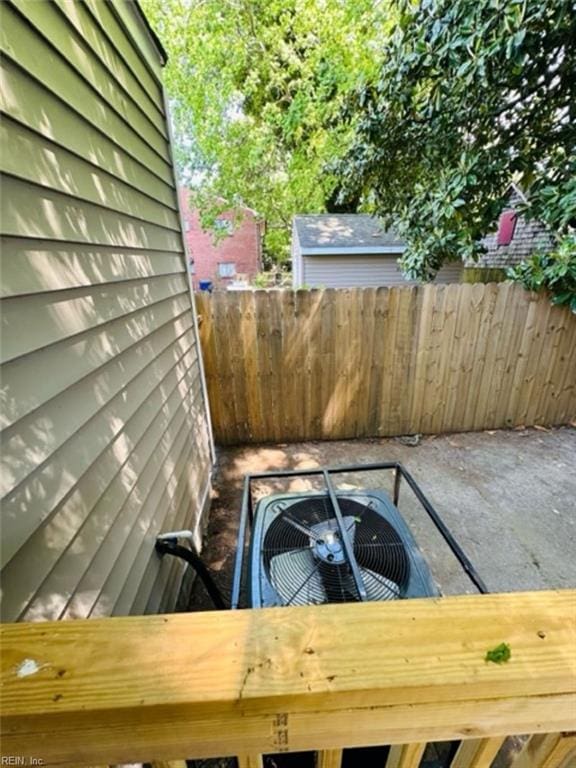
(246, 519)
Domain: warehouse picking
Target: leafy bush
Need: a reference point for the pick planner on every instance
(555, 271)
(261, 280)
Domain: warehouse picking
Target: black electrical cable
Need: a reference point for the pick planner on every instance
(170, 547)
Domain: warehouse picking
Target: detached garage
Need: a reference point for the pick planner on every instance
(350, 250)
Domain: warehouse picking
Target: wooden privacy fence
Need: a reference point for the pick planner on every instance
(262, 681)
(364, 362)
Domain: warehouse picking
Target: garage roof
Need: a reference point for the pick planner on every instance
(348, 233)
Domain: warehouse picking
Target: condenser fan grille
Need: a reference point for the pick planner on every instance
(304, 559)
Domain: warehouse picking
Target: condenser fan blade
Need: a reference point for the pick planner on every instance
(378, 587)
(304, 553)
(295, 576)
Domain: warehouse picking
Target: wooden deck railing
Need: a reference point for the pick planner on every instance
(252, 682)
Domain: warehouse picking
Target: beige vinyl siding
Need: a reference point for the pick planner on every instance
(105, 439)
(19, 97)
(23, 44)
(354, 271)
(74, 176)
(35, 266)
(146, 72)
(79, 16)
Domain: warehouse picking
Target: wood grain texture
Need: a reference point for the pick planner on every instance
(250, 761)
(406, 755)
(288, 679)
(329, 758)
(364, 362)
(477, 753)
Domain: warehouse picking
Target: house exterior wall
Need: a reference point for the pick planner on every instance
(242, 248)
(363, 271)
(105, 433)
(528, 238)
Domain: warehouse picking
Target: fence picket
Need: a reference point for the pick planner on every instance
(336, 364)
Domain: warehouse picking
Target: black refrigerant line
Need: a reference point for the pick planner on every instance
(399, 473)
(171, 547)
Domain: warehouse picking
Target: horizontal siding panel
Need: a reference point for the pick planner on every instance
(126, 13)
(113, 561)
(22, 44)
(80, 17)
(53, 26)
(55, 168)
(55, 534)
(181, 502)
(30, 381)
(95, 586)
(158, 589)
(107, 551)
(364, 272)
(121, 382)
(113, 32)
(92, 506)
(19, 98)
(102, 394)
(160, 585)
(345, 272)
(36, 500)
(165, 577)
(165, 591)
(33, 211)
(32, 322)
(177, 479)
(36, 266)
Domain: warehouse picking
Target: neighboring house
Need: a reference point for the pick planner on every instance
(236, 253)
(106, 435)
(350, 250)
(514, 240)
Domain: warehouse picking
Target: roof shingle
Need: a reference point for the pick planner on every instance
(343, 231)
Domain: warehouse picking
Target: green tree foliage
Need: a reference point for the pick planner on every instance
(470, 95)
(257, 88)
(555, 272)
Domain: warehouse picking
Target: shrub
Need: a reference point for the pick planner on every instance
(554, 271)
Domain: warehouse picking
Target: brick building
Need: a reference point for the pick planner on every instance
(234, 256)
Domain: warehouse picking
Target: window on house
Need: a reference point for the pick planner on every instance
(227, 269)
(506, 227)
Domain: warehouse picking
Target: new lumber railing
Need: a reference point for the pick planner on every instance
(252, 682)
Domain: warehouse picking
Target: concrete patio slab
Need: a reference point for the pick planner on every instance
(509, 498)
